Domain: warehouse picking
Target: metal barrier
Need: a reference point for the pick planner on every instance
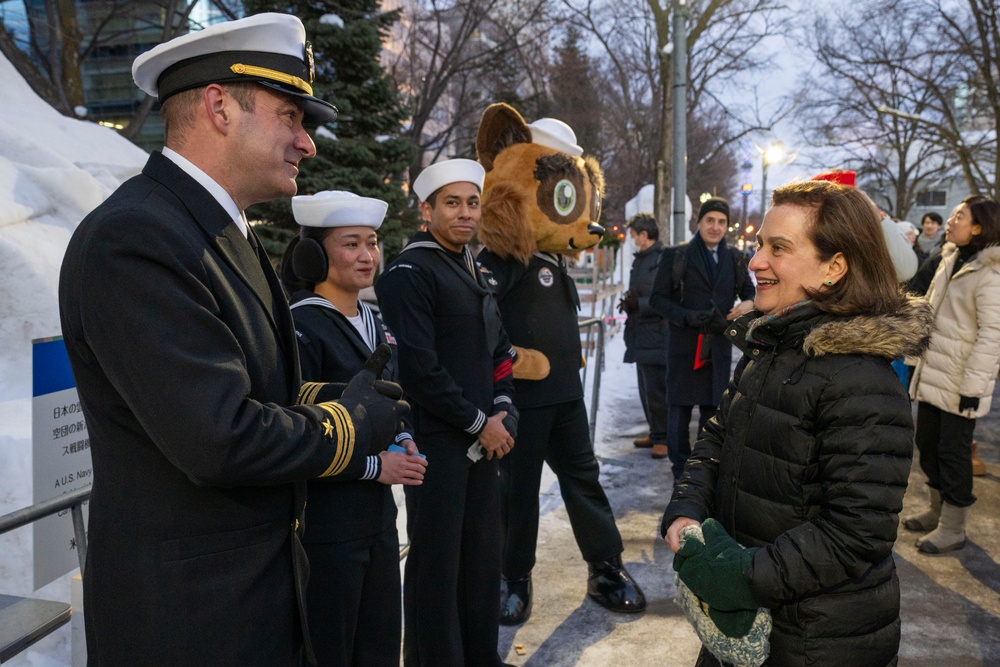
(73, 501)
(589, 325)
(23, 621)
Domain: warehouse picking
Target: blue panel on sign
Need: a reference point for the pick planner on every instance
(50, 367)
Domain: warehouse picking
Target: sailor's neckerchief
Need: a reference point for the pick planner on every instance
(367, 317)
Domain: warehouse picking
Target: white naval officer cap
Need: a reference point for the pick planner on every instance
(269, 49)
(555, 134)
(440, 174)
(337, 208)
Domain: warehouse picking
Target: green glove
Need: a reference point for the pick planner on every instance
(733, 623)
(689, 547)
(716, 571)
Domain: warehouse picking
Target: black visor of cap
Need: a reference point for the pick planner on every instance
(219, 68)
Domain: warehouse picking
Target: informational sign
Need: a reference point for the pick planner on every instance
(61, 462)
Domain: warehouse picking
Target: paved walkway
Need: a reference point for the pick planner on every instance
(950, 603)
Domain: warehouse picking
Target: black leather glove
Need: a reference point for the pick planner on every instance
(629, 303)
(968, 403)
(375, 405)
(698, 319)
(510, 421)
(717, 324)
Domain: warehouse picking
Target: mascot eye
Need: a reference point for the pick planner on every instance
(564, 197)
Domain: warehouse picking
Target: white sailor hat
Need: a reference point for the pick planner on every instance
(440, 174)
(336, 208)
(555, 134)
(269, 49)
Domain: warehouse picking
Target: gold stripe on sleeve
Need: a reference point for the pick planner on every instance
(308, 392)
(343, 433)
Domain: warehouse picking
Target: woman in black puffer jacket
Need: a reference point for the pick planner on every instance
(807, 460)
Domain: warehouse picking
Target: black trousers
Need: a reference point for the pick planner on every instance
(678, 432)
(944, 441)
(451, 586)
(353, 601)
(652, 380)
(560, 436)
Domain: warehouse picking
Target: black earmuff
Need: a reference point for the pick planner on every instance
(309, 261)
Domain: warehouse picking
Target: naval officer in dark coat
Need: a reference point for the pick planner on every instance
(455, 366)
(182, 347)
(350, 536)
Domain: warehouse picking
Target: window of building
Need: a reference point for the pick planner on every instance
(932, 198)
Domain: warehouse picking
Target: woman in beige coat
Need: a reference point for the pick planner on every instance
(953, 381)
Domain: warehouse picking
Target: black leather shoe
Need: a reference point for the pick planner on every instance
(515, 600)
(610, 586)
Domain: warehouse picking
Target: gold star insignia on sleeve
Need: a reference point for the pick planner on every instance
(327, 428)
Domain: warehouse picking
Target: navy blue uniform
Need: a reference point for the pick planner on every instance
(183, 350)
(350, 527)
(454, 365)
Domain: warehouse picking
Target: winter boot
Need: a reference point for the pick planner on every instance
(612, 587)
(950, 533)
(928, 519)
(515, 600)
(978, 467)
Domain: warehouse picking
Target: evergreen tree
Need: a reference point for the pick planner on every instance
(575, 99)
(363, 150)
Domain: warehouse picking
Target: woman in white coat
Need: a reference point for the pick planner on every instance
(953, 381)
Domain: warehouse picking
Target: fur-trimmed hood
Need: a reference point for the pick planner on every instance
(906, 332)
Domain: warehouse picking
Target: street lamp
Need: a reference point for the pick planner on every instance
(773, 154)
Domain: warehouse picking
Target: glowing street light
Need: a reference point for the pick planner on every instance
(773, 154)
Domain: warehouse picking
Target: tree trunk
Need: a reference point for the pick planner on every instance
(69, 55)
(26, 67)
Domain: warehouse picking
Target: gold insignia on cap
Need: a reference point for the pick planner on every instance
(310, 62)
(273, 75)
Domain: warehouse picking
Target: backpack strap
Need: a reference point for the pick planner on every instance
(677, 270)
(739, 269)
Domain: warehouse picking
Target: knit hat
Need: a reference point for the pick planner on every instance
(838, 176)
(714, 204)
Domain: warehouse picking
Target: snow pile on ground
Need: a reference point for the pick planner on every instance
(53, 171)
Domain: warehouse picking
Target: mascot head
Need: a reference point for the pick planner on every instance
(539, 193)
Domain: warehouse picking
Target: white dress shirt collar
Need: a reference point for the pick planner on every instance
(214, 189)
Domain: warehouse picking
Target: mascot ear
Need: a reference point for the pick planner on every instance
(500, 127)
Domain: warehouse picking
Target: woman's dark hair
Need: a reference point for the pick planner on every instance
(644, 222)
(844, 220)
(289, 280)
(985, 213)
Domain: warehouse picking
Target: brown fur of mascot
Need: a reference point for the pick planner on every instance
(535, 199)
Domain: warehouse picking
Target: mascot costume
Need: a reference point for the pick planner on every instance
(541, 202)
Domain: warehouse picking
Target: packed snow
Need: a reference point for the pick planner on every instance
(53, 171)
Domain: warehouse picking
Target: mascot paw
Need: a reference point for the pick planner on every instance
(530, 365)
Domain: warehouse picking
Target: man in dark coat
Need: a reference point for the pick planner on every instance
(455, 366)
(181, 344)
(646, 333)
(695, 288)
